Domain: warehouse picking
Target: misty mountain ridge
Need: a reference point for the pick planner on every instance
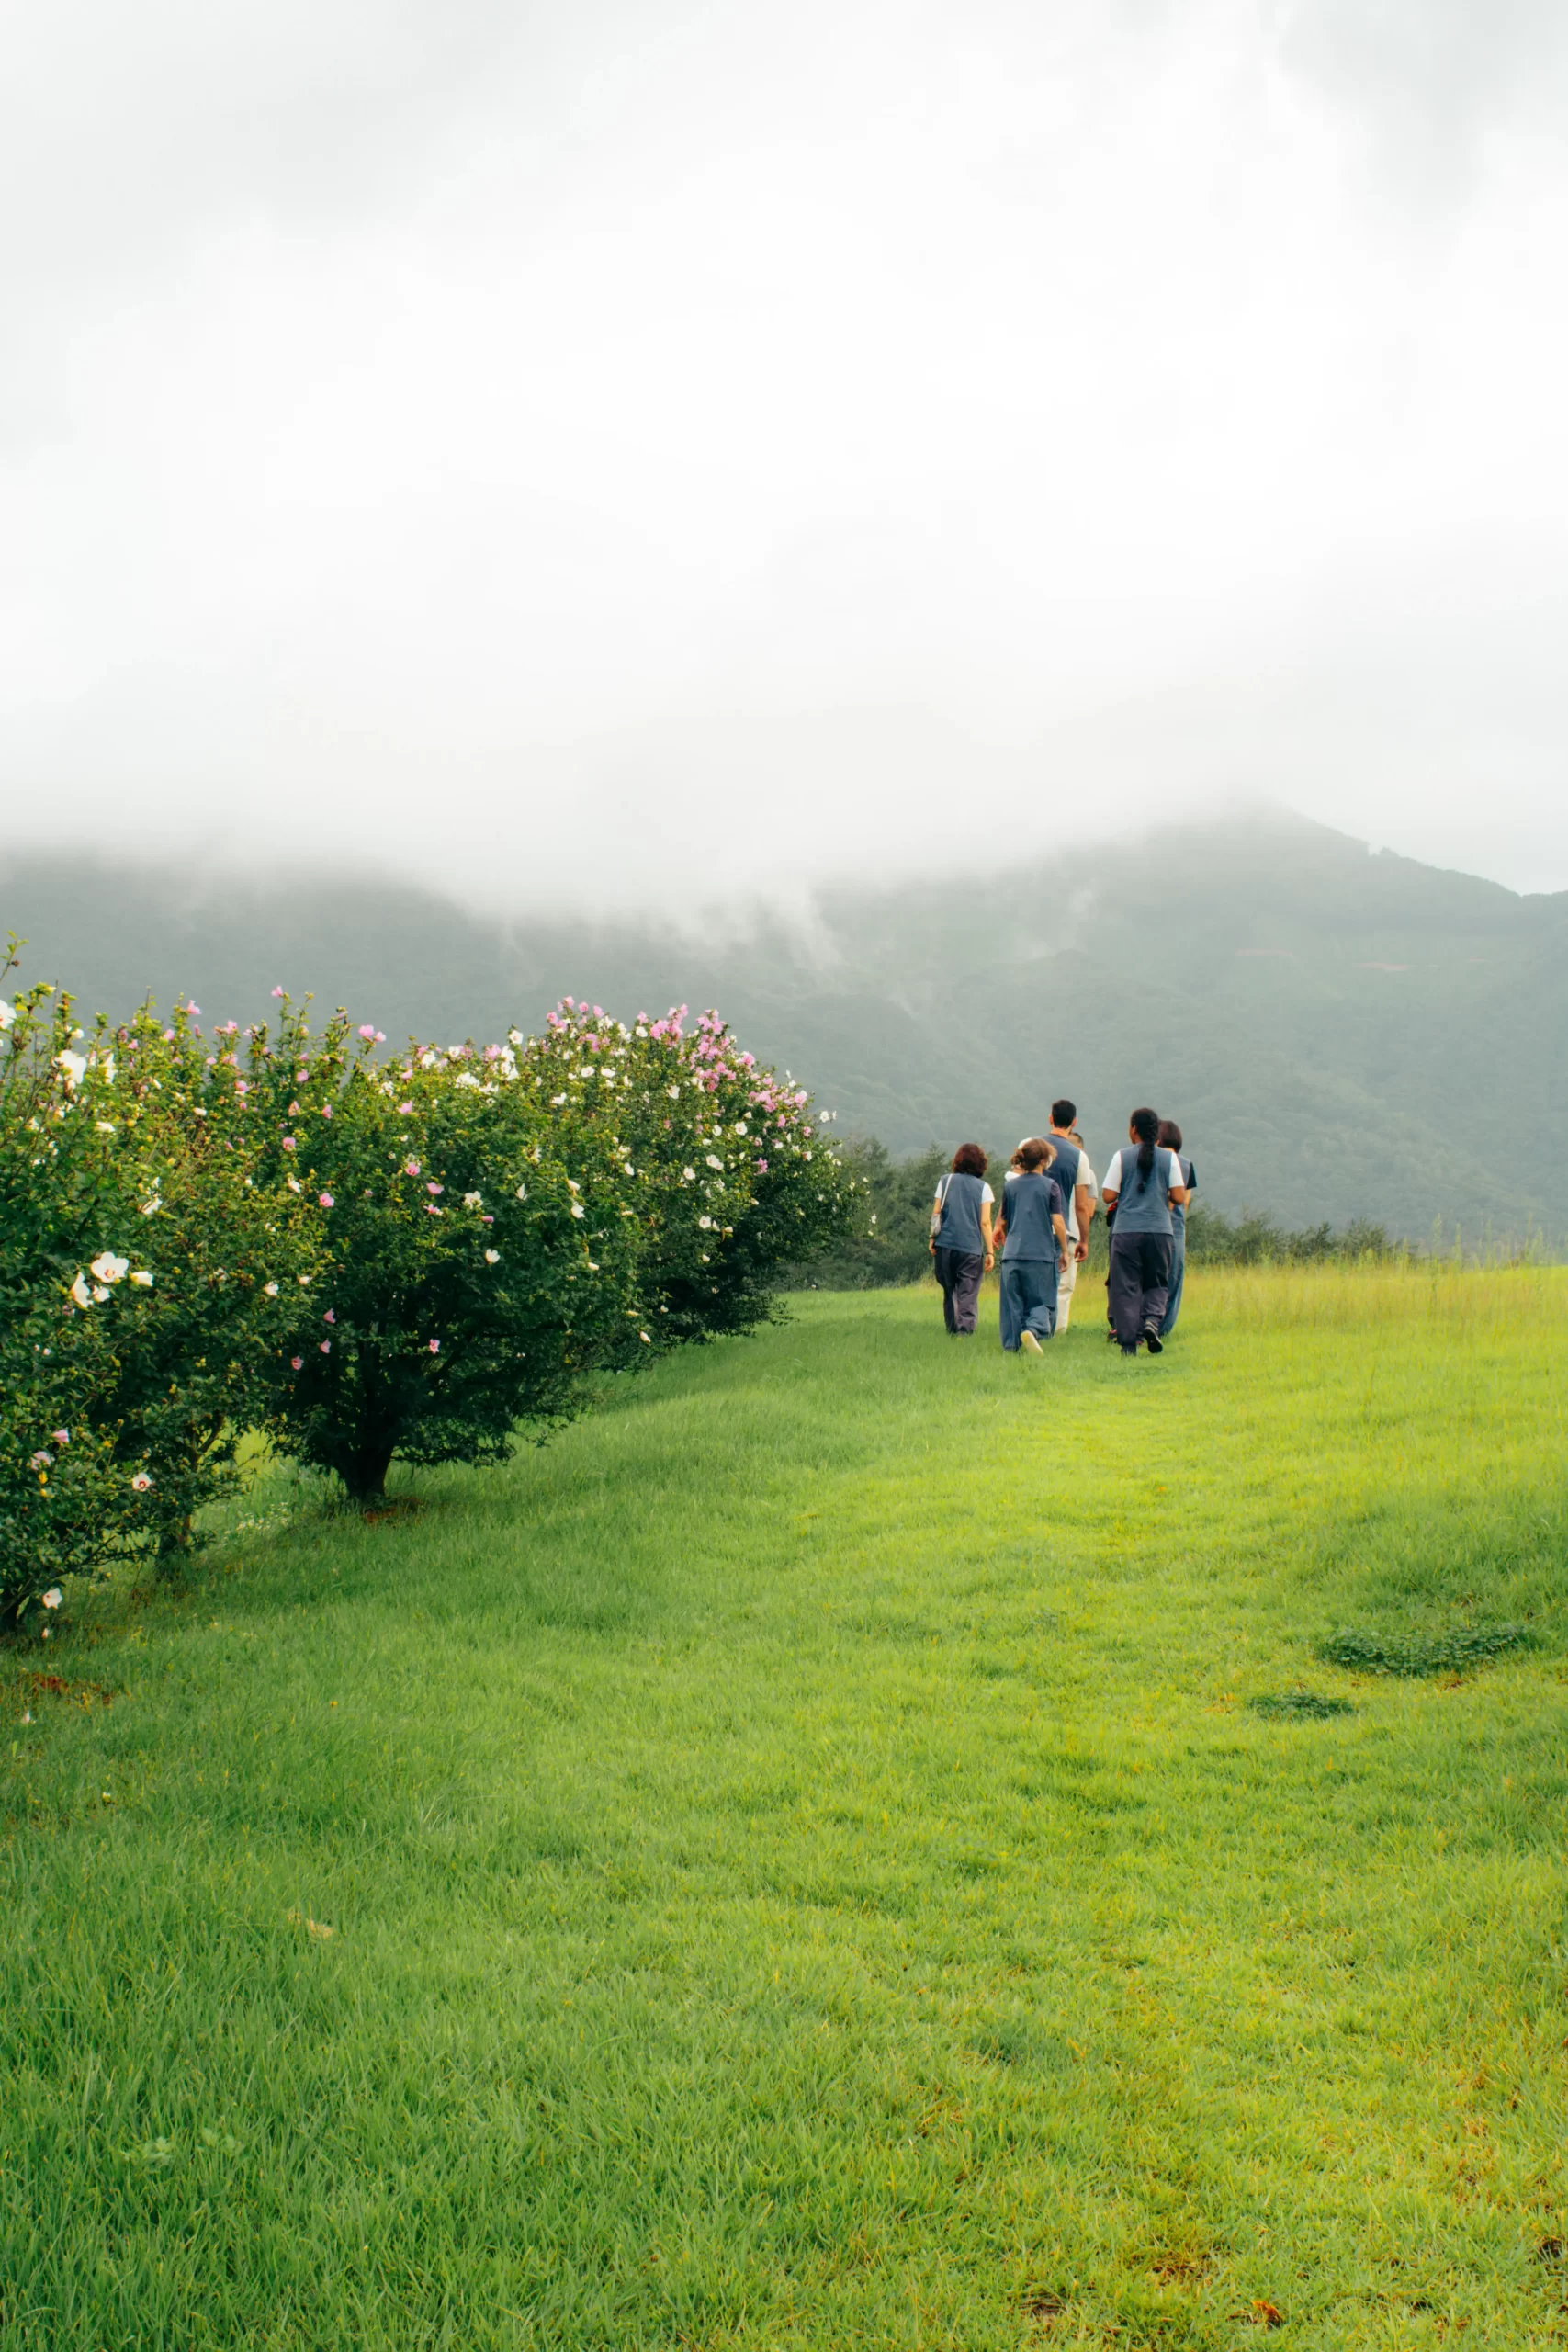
(1341, 1034)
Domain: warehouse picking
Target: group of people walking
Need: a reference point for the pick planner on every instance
(1041, 1231)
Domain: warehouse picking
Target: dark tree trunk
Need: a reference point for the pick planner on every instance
(364, 1471)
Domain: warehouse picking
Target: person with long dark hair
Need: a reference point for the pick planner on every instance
(1034, 1234)
(1142, 1186)
(961, 1237)
(1170, 1137)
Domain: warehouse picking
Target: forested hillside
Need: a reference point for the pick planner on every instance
(1340, 1033)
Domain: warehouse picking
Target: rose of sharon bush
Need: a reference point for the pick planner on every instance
(482, 1245)
(230, 1239)
(738, 1179)
(73, 1296)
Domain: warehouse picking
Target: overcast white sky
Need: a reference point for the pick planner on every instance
(633, 449)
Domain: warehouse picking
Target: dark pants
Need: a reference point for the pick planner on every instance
(1138, 1288)
(959, 1274)
(1029, 1299)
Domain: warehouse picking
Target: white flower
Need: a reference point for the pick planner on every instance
(515, 1037)
(594, 1265)
(271, 1289)
(294, 1184)
(74, 1066)
(556, 1100)
(674, 1092)
(706, 1223)
(105, 1126)
(80, 1292)
(578, 1209)
(142, 1482)
(7, 1013)
(110, 1269)
(150, 1208)
(302, 1280)
(688, 1175)
(142, 1279)
(644, 1338)
(493, 1256)
(713, 1160)
(99, 1293)
(739, 1127)
(572, 1184)
(472, 1201)
(53, 1597)
(522, 1192)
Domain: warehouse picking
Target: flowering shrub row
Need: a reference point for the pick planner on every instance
(361, 1256)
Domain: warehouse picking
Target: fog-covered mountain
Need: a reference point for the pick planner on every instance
(1340, 1033)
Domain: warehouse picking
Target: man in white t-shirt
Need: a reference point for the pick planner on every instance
(1080, 1193)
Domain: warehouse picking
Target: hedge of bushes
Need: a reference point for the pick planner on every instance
(364, 1256)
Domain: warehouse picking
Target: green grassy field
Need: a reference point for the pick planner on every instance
(805, 1864)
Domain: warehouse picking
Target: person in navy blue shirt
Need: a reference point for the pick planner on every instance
(961, 1237)
(1142, 1186)
(1170, 1138)
(1034, 1234)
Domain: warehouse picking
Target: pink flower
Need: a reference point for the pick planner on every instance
(326, 1347)
(61, 1436)
(404, 1109)
(331, 1315)
(277, 991)
(327, 1201)
(39, 1460)
(411, 1168)
(762, 1168)
(433, 1189)
(299, 1362)
(289, 1144)
(436, 1347)
(326, 1110)
(366, 1032)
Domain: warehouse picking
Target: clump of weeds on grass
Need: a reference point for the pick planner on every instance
(1411, 1655)
(1298, 1705)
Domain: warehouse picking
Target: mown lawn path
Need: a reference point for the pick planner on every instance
(805, 1865)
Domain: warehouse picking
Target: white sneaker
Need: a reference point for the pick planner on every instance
(1027, 1339)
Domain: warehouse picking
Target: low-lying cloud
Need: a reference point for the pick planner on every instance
(640, 454)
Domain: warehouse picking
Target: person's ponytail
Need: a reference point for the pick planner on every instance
(1146, 1127)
